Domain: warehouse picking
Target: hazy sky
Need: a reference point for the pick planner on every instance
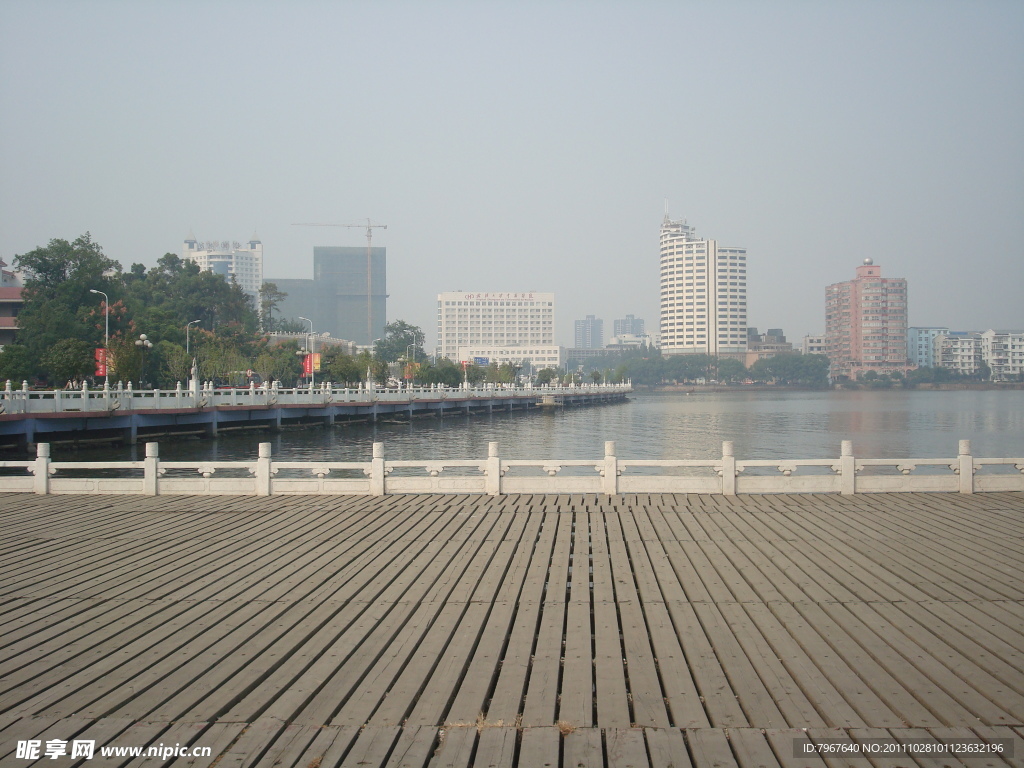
(516, 146)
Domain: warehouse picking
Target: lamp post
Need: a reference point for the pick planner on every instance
(187, 327)
(143, 343)
(309, 343)
(106, 336)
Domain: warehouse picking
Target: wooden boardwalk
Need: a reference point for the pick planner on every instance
(523, 630)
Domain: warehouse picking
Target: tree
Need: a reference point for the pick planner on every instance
(546, 376)
(67, 360)
(444, 371)
(398, 337)
(172, 362)
(596, 376)
(270, 298)
(17, 364)
(58, 281)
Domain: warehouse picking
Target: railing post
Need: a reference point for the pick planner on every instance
(610, 481)
(41, 470)
(492, 481)
(377, 486)
(728, 469)
(151, 470)
(966, 462)
(847, 469)
(263, 471)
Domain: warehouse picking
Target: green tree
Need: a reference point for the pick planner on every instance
(17, 364)
(546, 376)
(270, 298)
(68, 359)
(596, 376)
(398, 337)
(58, 281)
(444, 371)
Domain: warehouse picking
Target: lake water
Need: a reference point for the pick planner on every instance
(656, 425)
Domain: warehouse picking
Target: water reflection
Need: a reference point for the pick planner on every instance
(656, 425)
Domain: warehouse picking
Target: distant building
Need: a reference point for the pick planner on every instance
(866, 323)
(1003, 353)
(230, 259)
(533, 357)
(347, 296)
(761, 346)
(628, 341)
(813, 345)
(590, 333)
(11, 303)
(505, 323)
(921, 345)
(629, 326)
(703, 294)
(958, 351)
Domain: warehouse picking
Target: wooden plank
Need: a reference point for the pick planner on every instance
(414, 748)
(667, 748)
(794, 683)
(582, 748)
(782, 742)
(761, 710)
(496, 748)
(373, 745)
(720, 700)
(455, 749)
(752, 749)
(539, 747)
(625, 748)
(709, 748)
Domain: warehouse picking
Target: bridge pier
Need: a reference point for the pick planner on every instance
(130, 434)
(211, 429)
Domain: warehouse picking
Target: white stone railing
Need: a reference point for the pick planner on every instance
(495, 476)
(30, 401)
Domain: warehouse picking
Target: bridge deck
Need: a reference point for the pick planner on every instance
(524, 630)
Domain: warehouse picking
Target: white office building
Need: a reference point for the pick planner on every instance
(509, 326)
(243, 265)
(703, 294)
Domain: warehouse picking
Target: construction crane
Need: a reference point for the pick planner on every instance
(370, 226)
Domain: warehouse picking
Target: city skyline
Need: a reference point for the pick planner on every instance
(532, 147)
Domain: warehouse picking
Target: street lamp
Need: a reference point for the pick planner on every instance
(189, 325)
(309, 343)
(106, 336)
(143, 343)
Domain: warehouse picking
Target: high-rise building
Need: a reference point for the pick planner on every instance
(703, 294)
(230, 259)
(510, 325)
(590, 333)
(347, 296)
(628, 326)
(866, 323)
(921, 345)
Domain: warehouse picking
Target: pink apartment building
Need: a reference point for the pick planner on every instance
(866, 324)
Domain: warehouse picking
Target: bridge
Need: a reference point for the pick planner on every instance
(31, 416)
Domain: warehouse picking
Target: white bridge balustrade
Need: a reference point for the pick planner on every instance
(205, 395)
(495, 476)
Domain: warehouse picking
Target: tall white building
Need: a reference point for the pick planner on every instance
(703, 294)
(244, 265)
(509, 325)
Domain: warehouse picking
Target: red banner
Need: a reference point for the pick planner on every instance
(310, 363)
(101, 361)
